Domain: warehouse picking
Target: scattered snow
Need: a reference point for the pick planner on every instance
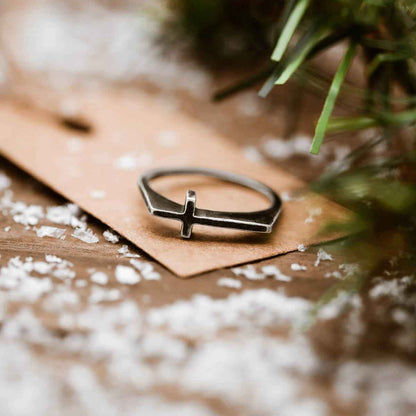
(337, 305)
(253, 154)
(47, 231)
(250, 104)
(100, 278)
(111, 236)
(69, 214)
(302, 248)
(229, 282)
(322, 256)
(99, 294)
(394, 288)
(98, 42)
(314, 212)
(5, 181)
(125, 252)
(131, 162)
(97, 194)
(51, 258)
(85, 235)
(167, 138)
(26, 214)
(297, 267)
(272, 270)
(74, 145)
(250, 272)
(281, 149)
(127, 275)
(202, 315)
(146, 269)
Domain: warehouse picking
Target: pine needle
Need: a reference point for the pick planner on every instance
(331, 98)
(311, 39)
(289, 29)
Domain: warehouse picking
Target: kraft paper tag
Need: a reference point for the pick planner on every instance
(134, 132)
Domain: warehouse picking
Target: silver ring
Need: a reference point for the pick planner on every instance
(260, 221)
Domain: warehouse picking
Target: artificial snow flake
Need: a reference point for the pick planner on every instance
(100, 278)
(47, 231)
(42, 267)
(314, 212)
(69, 214)
(26, 214)
(5, 181)
(111, 236)
(272, 270)
(146, 269)
(125, 252)
(283, 149)
(253, 154)
(249, 272)
(167, 138)
(297, 267)
(51, 258)
(127, 275)
(394, 289)
(202, 315)
(99, 294)
(86, 235)
(97, 194)
(302, 248)
(229, 282)
(322, 256)
(74, 145)
(131, 162)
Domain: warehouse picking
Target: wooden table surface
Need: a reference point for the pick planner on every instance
(165, 358)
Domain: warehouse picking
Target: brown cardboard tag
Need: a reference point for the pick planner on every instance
(134, 132)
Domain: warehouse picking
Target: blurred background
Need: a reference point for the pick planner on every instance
(325, 91)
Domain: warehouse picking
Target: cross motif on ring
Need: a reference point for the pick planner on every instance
(187, 216)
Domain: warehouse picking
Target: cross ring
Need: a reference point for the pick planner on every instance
(260, 221)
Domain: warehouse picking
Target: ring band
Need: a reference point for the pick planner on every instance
(259, 221)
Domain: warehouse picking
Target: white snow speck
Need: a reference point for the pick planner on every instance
(125, 252)
(130, 162)
(111, 236)
(229, 282)
(249, 272)
(322, 256)
(272, 270)
(97, 194)
(297, 267)
(253, 154)
(127, 275)
(85, 235)
(99, 294)
(314, 212)
(5, 181)
(26, 214)
(167, 138)
(302, 248)
(146, 269)
(51, 258)
(46, 231)
(99, 277)
(74, 145)
(281, 149)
